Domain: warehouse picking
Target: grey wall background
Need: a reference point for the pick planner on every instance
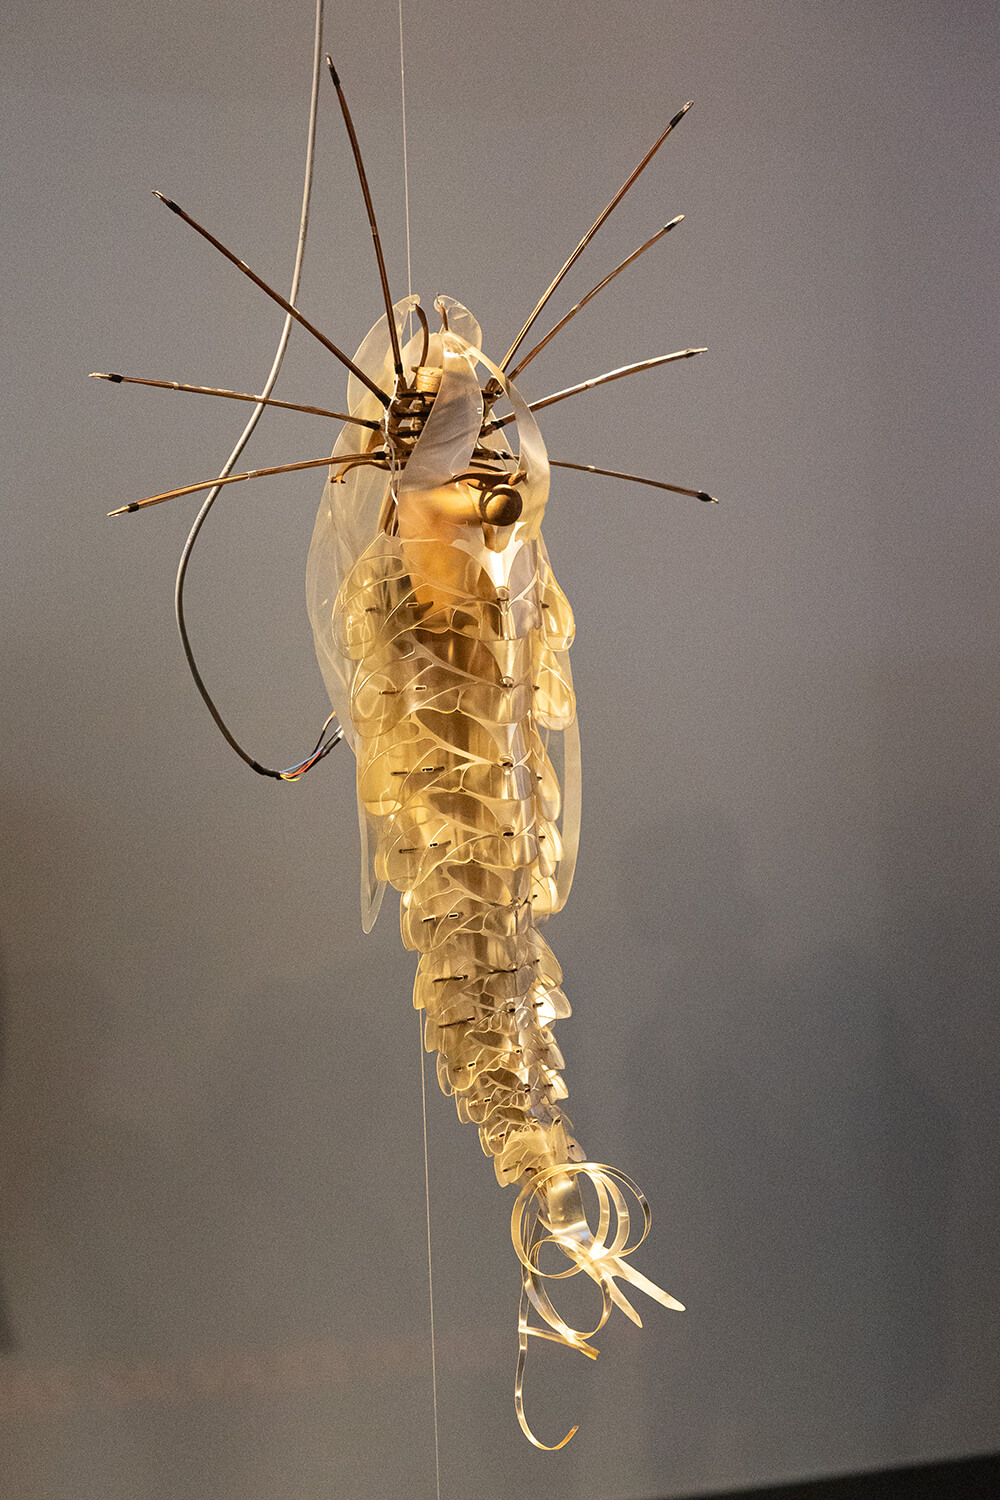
(782, 945)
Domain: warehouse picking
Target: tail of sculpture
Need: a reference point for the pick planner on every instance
(459, 688)
(489, 999)
(550, 1211)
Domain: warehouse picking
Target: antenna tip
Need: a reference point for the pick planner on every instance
(708, 499)
(164, 199)
(124, 510)
(702, 350)
(100, 375)
(672, 224)
(681, 113)
(333, 71)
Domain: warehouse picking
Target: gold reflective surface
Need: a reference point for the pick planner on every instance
(449, 637)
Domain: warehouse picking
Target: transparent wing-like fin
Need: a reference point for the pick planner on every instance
(564, 742)
(572, 805)
(372, 889)
(460, 321)
(445, 446)
(348, 520)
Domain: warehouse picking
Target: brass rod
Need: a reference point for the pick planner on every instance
(208, 390)
(513, 374)
(593, 230)
(275, 297)
(588, 385)
(657, 484)
(397, 358)
(209, 484)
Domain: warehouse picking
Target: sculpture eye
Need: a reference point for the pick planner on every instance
(501, 506)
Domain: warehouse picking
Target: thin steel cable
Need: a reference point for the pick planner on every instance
(430, 1272)
(423, 1077)
(406, 168)
(255, 415)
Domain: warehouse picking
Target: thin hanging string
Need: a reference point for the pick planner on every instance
(406, 170)
(430, 1272)
(420, 1028)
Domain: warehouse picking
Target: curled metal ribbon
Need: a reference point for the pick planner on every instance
(549, 1211)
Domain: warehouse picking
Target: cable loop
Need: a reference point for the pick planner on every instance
(323, 745)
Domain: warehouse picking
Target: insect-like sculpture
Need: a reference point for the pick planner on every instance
(443, 639)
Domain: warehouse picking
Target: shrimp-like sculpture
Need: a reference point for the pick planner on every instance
(444, 643)
(443, 638)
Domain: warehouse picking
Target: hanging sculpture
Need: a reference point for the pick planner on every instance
(443, 639)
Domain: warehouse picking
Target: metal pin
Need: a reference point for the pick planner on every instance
(588, 385)
(209, 484)
(513, 374)
(282, 302)
(397, 359)
(592, 231)
(207, 390)
(657, 484)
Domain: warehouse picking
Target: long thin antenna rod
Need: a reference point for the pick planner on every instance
(593, 230)
(588, 385)
(208, 484)
(397, 358)
(292, 312)
(209, 390)
(513, 374)
(657, 484)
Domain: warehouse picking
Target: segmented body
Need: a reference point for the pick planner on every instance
(458, 679)
(453, 637)
(444, 642)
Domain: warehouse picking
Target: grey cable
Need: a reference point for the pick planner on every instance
(255, 417)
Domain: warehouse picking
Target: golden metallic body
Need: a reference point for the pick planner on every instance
(444, 640)
(457, 680)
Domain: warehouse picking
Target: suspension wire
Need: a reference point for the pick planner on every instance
(423, 1073)
(326, 742)
(430, 1272)
(406, 168)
